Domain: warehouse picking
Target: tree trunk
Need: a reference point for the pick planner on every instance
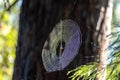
(38, 18)
(103, 40)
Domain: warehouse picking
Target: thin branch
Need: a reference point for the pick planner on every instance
(9, 8)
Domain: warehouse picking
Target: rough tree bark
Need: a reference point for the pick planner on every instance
(38, 18)
(103, 39)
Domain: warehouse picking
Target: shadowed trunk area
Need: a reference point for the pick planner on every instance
(38, 18)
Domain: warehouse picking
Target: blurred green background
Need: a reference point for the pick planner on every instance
(8, 36)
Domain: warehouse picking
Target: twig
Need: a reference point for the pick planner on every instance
(9, 8)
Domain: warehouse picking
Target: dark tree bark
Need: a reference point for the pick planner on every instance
(38, 18)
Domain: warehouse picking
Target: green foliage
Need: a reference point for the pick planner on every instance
(89, 71)
(7, 51)
(113, 68)
(84, 72)
(8, 35)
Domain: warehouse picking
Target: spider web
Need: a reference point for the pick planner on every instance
(71, 35)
